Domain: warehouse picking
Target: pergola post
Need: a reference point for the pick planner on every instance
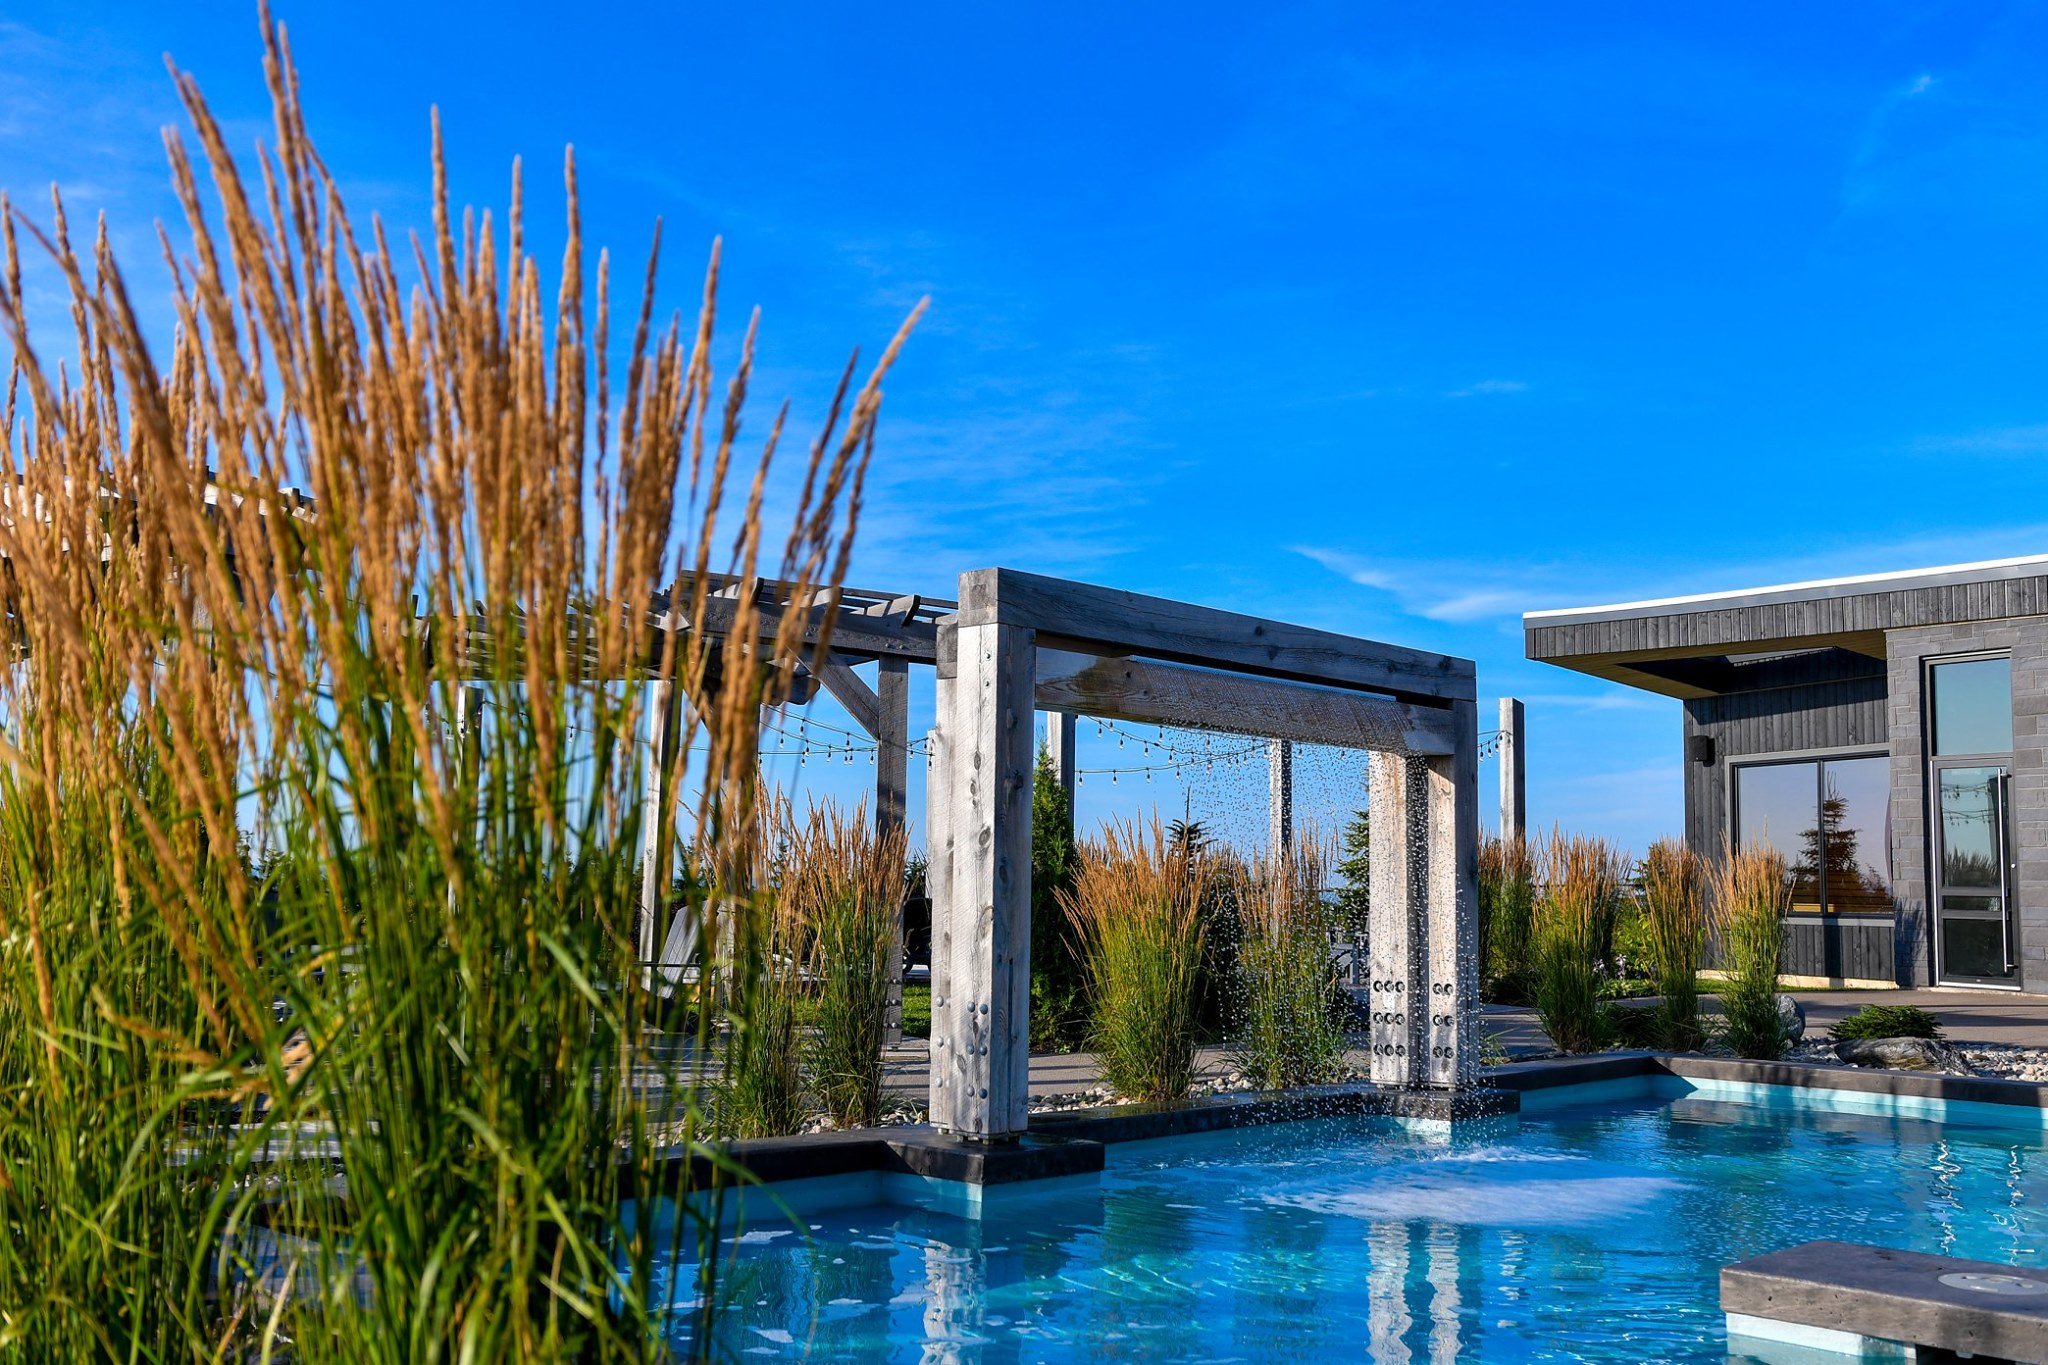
(981, 1026)
(1514, 772)
(656, 845)
(1280, 796)
(1060, 737)
(892, 802)
(1424, 922)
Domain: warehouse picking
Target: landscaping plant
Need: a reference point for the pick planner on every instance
(1288, 1029)
(1573, 917)
(1059, 1012)
(1887, 1021)
(1678, 931)
(1507, 900)
(842, 884)
(332, 635)
(1135, 911)
(1749, 892)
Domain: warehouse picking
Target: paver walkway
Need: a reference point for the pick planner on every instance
(1966, 1017)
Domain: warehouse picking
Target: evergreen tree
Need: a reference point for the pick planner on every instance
(1058, 1015)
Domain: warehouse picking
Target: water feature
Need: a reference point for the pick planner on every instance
(1589, 1232)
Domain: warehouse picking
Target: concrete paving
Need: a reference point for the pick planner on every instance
(1966, 1017)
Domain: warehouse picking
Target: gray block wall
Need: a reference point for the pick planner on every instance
(1907, 652)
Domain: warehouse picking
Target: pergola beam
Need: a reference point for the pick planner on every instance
(1128, 622)
(1149, 692)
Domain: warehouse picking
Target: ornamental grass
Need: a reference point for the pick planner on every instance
(1507, 901)
(1135, 907)
(323, 1023)
(1288, 1029)
(1678, 931)
(1573, 918)
(842, 886)
(1750, 893)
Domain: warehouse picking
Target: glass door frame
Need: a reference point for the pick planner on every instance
(1937, 887)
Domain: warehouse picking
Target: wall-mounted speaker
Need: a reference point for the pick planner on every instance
(1700, 749)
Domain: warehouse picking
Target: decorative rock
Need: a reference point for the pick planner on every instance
(1791, 1018)
(1903, 1054)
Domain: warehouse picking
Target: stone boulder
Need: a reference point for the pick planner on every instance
(1903, 1054)
(1791, 1018)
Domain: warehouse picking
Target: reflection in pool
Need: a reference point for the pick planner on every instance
(1591, 1233)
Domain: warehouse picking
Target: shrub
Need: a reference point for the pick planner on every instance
(1676, 935)
(1887, 1021)
(1135, 910)
(842, 885)
(1507, 899)
(1573, 917)
(1749, 892)
(1288, 1028)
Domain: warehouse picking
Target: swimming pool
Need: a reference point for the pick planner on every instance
(1587, 1231)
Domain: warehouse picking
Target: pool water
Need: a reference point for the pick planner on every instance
(1591, 1233)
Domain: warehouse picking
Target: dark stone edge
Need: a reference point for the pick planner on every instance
(1863, 1080)
(1070, 1142)
(1060, 1144)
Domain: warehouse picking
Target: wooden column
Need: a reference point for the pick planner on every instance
(981, 1034)
(1451, 948)
(1514, 772)
(938, 853)
(892, 800)
(1397, 923)
(892, 744)
(1280, 795)
(1059, 743)
(1423, 969)
(657, 847)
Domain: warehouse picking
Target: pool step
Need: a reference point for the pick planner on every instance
(1875, 1303)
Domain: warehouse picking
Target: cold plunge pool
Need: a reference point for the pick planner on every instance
(1590, 1230)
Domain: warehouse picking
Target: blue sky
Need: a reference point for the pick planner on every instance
(1398, 320)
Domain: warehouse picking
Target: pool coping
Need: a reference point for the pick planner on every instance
(1073, 1142)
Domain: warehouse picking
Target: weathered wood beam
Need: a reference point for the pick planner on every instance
(1131, 622)
(849, 691)
(1423, 935)
(853, 633)
(892, 804)
(1514, 772)
(981, 1035)
(657, 848)
(1154, 693)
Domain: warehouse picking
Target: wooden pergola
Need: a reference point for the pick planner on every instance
(1020, 643)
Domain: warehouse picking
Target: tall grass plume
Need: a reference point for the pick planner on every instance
(843, 885)
(1135, 907)
(334, 629)
(1288, 1029)
(1573, 917)
(1750, 893)
(1678, 933)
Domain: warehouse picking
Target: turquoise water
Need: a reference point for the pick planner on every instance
(1591, 1233)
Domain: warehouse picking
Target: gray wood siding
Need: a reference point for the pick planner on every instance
(1837, 714)
(1749, 627)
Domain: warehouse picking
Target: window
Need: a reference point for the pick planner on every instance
(1972, 706)
(1828, 819)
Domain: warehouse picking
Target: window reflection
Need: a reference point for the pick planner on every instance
(1972, 706)
(1828, 820)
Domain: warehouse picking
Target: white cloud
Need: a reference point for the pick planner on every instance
(2015, 440)
(1487, 387)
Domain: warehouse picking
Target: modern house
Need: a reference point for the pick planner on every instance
(1885, 733)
